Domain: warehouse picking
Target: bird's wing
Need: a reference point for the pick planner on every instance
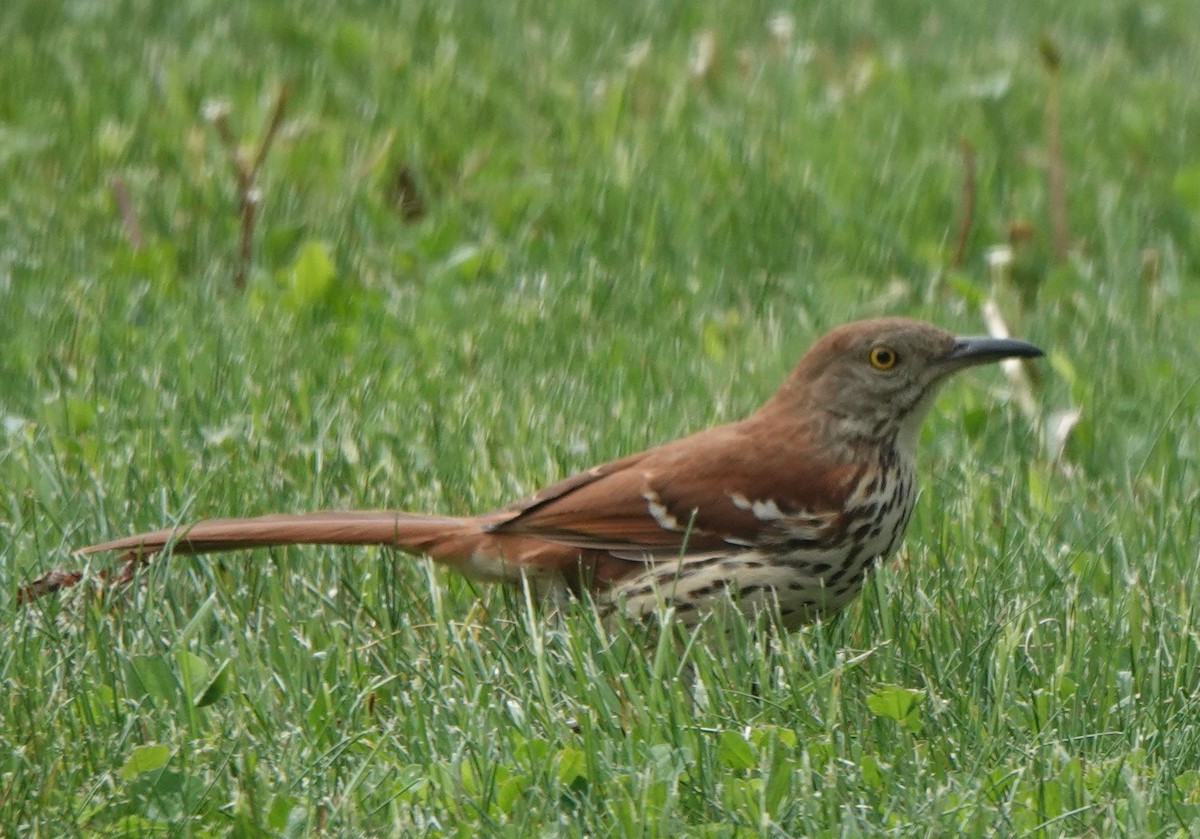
(717, 490)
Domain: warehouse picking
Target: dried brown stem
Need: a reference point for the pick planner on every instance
(966, 216)
(52, 582)
(49, 583)
(129, 221)
(406, 194)
(1056, 171)
(246, 174)
(249, 208)
(268, 137)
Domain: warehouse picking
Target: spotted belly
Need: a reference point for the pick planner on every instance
(802, 584)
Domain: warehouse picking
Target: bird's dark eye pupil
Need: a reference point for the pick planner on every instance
(883, 358)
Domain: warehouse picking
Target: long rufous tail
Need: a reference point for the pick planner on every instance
(442, 537)
(460, 543)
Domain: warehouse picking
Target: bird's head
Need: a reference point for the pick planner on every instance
(873, 380)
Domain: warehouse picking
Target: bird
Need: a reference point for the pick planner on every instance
(785, 511)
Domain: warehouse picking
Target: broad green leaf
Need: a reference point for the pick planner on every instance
(894, 702)
(193, 672)
(309, 277)
(872, 772)
(217, 687)
(145, 758)
(734, 750)
(572, 766)
(779, 781)
(151, 676)
(510, 792)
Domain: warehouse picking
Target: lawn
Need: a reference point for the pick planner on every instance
(433, 255)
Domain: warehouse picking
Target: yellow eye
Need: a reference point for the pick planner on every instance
(883, 358)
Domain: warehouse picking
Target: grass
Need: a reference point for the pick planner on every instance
(619, 243)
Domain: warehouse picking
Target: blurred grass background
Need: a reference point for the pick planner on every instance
(497, 243)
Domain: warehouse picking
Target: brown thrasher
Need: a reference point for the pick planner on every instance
(788, 508)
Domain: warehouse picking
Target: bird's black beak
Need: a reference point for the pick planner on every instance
(967, 352)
